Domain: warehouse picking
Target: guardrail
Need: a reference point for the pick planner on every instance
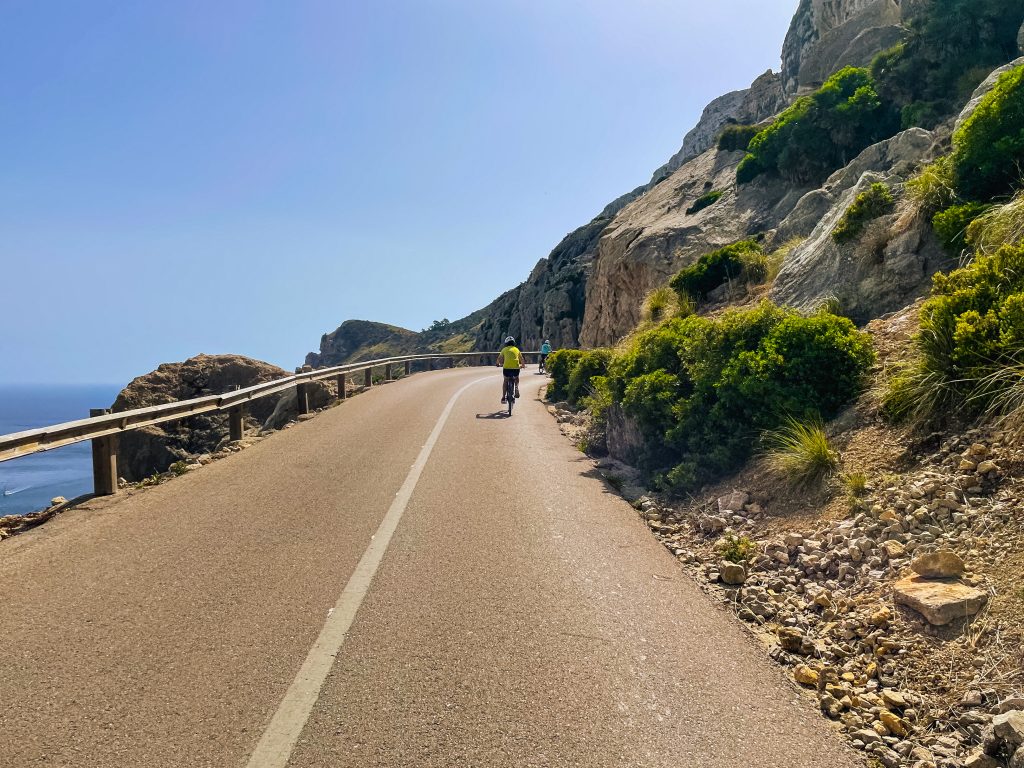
(103, 427)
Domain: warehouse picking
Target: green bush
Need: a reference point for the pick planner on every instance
(951, 224)
(736, 138)
(589, 365)
(560, 365)
(950, 48)
(822, 132)
(870, 204)
(702, 389)
(988, 149)
(713, 269)
(736, 549)
(704, 201)
(970, 327)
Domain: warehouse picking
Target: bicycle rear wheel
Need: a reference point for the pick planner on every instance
(510, 393)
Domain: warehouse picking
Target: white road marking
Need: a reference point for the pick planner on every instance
(278, 740)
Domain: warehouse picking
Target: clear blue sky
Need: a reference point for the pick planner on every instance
(192, 176)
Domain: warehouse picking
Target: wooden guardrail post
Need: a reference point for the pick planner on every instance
(236, 423)
(368, 378)
(104, 460)
(408, 367)
(387, 372)
(302, 397)
(341, 386)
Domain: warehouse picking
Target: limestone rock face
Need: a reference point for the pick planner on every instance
(890, 264)
(654, 237)
(550, 304)
(826, 35)
(153, 449)
(763, 99)
(940, 602)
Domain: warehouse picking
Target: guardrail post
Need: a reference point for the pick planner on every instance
(451, 362)
(302, 398)
(104, 460)
(368, 378)
(341, 386)
(387, 372)
(408, 367)
(236, 423)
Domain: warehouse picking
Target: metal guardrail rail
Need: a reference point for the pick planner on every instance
(103, 427)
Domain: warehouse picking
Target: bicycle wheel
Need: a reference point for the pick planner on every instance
(510, 393)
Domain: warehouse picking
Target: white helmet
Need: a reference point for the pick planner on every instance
(509, 340)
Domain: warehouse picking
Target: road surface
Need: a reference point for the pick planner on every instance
(408, 579)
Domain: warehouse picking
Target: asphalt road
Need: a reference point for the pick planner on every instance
(520, 615)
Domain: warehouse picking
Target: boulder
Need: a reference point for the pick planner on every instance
(733, 502)
(940, 602)
(1008, 728)
(732, 574)
(943, 564)
(153, 449)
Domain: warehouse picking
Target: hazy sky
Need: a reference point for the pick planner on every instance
(217, 176)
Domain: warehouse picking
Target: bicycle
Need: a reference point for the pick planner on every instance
(510, 392)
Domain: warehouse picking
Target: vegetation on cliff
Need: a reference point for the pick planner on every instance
(972, 329)
(701, 390)
(951, 47)
(820, 133)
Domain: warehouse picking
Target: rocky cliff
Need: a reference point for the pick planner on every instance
(589, 290)
(154, 449)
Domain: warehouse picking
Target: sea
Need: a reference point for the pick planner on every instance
(27, 484)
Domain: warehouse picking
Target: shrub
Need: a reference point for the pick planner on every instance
(701, 389)
(988, 149)
(870, 204)
(951, 46)
(178, 468)
(819, 133)
(712, 270)
(705, 200)
(589, 365)
(801, 453)
(951, 225)
(998, 226)
(736, 138)
(660, 305)
(560, 365)
(971, 326)
(736, 549)
(933, 188)
(856, 484)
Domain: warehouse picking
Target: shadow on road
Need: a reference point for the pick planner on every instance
(495, 415)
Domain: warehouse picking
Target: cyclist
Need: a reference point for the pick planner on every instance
(545, 350)
(511, 360)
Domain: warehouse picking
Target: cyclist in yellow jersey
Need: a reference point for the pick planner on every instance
(511, 361)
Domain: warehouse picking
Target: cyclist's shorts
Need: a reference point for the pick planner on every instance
(511, 373)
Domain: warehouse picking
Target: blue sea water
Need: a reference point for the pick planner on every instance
(28, 483)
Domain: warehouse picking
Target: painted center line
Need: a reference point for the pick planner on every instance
(278, 740)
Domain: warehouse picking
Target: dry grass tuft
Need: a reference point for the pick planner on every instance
(801, 453)
(1003, 225)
